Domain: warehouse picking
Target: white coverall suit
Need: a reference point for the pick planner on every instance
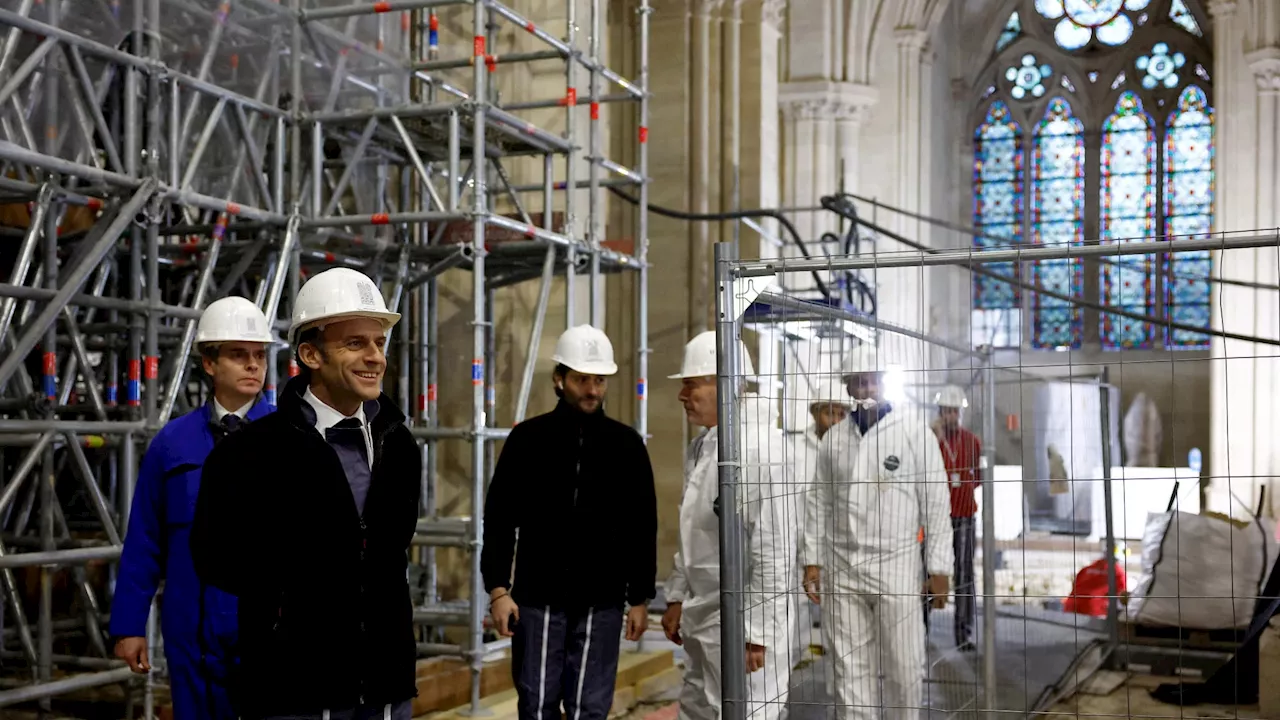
(873, 494)
(769, 523)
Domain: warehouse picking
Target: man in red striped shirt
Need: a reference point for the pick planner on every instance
(961, 452)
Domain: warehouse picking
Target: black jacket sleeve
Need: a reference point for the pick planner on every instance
(643, 565)
(500, 519)
(409, 492)
(220, 544)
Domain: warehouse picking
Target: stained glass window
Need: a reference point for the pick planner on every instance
(1057, 218)
(1179, 13)
(1012, 29)
(1160, 67)
(1142, 108)
(1128, 214)
(1188, 210)
(1028, 77)
(997, 213)
(1083, 20)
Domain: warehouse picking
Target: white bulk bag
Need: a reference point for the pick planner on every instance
(1201, 572)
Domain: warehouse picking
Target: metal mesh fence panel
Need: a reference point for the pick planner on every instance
(928, 527)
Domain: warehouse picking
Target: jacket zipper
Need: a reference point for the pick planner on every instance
(577, 469)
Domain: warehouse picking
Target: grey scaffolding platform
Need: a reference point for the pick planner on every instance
(171, 152)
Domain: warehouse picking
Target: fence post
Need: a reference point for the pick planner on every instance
(732, 634)
(1113, 606)
(990, 702)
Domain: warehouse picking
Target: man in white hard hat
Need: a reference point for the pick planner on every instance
(198, 622)
(828, 407)
(693, 616)
(307, 515)
(578, 488)
(962, 453)
(879, 480)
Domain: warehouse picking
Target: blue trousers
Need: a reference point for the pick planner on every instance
(566, 657)
(196, 695)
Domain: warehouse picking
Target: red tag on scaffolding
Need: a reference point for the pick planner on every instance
(381, 7)
(571, 97)
(644, 134)
(478, 46)
(50, 364)
(422, 403)
(153, 368)
(595, 111)
(135, 367)
(293, 368)
(431, 392)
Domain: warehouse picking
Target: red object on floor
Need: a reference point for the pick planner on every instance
(670, 712)
(1089, 593)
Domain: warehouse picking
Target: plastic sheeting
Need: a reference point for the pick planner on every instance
(1201, 572)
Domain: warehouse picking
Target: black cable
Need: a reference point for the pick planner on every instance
(835, 203)
(734, 215)
(976, 232)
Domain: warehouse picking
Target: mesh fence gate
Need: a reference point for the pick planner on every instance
(1093, 579)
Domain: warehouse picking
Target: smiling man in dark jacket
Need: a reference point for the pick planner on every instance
(578, 487)
(307, 515)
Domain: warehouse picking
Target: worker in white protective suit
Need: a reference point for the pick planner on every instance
(693, 616)
(880, 480)
(828, 406)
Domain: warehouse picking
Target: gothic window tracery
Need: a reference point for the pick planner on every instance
(1125, 158)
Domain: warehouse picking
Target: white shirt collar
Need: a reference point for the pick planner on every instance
(327, 417)
(220, 412)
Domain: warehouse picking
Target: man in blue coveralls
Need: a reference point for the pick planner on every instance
(198, 622)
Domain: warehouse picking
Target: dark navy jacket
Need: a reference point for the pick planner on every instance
(326, 619)
(156, 547)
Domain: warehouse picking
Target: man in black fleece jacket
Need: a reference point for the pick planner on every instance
(578, 487)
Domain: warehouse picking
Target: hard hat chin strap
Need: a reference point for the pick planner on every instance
(867, 403)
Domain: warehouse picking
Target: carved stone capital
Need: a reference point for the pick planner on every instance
(910, 38)
(826, 100)
(773, 13)
(1222, 8)
(1265, 64)
(706, 8)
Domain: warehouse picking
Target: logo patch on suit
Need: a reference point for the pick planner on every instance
(892, 463)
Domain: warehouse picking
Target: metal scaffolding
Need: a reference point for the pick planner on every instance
(160, 154)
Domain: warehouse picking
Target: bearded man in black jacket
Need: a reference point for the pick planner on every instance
(578, 487)
(307, 518)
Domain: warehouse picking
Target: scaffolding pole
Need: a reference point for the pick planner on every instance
(299, 136)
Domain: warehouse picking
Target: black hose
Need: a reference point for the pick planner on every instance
(734, 215)
(836, 204)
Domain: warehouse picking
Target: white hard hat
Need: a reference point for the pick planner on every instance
(700, 358)
(829, 392)
(951, 396)
(232, 319)
(587, 350)
(865, 358)
(339, 294)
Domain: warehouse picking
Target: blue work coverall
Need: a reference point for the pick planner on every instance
(156, 547)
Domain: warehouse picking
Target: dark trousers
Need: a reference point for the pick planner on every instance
(402, 710)
(566, 657)
(963, 535)
(963, 538)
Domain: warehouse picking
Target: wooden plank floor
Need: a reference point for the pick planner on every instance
(637, 673)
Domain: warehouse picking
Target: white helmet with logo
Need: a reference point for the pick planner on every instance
(232, 319)
(865, 358)
(700, 358)
(338, 294)
(951, 396)
(829, 392)
(586, 350)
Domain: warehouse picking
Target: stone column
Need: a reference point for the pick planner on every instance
(700, 178)
(822, 124)
(1232, 399)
